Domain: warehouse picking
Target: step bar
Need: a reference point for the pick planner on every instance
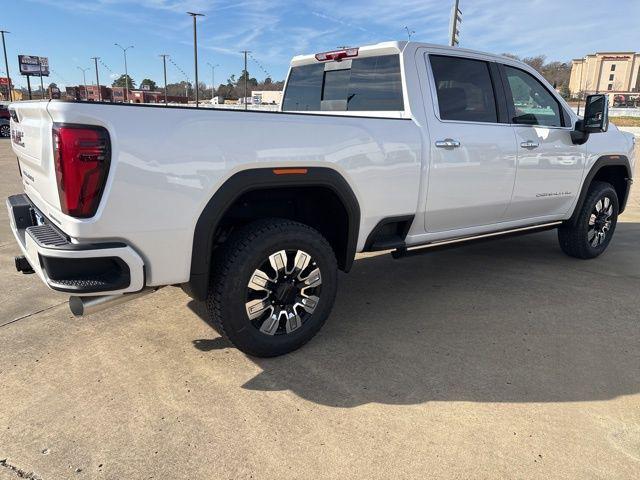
(460, 241)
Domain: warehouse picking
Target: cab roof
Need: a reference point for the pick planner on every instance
(388, 48)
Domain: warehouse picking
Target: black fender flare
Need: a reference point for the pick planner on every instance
(602, 162)
(257, 179)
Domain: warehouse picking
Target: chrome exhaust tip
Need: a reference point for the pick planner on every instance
(82, 306)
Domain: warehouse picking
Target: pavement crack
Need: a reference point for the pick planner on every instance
(31, 314)
(17, 471)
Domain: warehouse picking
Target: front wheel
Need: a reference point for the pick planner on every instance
(273, 286)
(595, 224)
(5, 131)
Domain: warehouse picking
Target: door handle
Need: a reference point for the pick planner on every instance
(529, 144)
(447, 143)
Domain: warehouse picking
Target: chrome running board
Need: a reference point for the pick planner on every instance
(459, 241)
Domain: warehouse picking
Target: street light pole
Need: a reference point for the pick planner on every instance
(6, 64)
(246, 77)
(213, 78)
(195, 47)
(164, 67)
(126, 73)
(84, 79)
(95, 59)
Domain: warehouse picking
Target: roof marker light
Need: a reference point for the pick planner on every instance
(337, 55)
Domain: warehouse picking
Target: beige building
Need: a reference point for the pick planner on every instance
(602, 72)
(267, 97)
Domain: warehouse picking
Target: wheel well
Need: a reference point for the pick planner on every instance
(316, 196)
(616, 175)
(316, 206)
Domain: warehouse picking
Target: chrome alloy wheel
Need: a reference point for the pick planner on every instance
(283, 292)
(600, 222)
(5, 131)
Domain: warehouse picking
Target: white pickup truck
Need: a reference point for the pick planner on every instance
(396, 146)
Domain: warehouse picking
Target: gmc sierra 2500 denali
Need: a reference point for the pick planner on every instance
(395, 146)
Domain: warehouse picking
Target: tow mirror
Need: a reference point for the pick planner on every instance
(596, 118)
(596, 114)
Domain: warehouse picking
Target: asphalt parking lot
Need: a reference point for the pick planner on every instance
(500, 360)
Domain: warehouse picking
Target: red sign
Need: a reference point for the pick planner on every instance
(4, 81)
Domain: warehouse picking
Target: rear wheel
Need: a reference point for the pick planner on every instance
(593, 229)
(273, 286)
(5, 131)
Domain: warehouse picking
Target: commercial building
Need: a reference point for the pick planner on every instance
(117, 95)
(266, 97)
(602, 72)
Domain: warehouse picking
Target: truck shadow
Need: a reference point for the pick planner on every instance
(509, 321)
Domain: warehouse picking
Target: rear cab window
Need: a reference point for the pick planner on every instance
(464, 89)
(366, 84)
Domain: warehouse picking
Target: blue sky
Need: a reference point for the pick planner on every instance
(69, 32)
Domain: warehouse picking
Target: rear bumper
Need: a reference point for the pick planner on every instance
(75, 268)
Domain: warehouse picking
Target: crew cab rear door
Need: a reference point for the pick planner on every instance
(472, 153)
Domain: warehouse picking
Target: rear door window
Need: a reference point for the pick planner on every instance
(370, 84)
(464, 88)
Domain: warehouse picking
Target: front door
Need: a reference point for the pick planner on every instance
(472, 156)
(550, 166)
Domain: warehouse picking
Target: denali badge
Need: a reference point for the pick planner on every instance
(553, 194)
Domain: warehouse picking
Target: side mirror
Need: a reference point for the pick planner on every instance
(596, 118)
(596, 114)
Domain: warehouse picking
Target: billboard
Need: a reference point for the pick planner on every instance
(32, 65)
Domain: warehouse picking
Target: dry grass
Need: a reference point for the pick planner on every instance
(626, 121)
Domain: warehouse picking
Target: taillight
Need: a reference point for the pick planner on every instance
(81, 156)
(337, 54)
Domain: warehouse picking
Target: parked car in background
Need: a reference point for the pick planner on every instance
(5, 128)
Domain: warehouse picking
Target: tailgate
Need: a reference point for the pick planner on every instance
(31, 141)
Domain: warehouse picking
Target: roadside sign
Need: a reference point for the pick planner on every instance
(32, 65)
(4, 81)
(145, 87)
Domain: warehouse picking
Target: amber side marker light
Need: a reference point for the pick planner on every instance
(290, 171)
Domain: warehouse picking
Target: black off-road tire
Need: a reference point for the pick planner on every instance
(234, 265)
(574, 236)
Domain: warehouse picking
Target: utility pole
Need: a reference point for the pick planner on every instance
(164, 67)
(195, 47)
(126, 73)
(41, 82)
(6, 64)
(246, 76)
(454, 25)
(84, 79)
(213, 78)
(95, 59)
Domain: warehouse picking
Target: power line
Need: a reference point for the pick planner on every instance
(178, 68)
(259, 65)
(106, 66)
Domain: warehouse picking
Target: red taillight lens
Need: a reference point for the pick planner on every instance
(81, 156)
